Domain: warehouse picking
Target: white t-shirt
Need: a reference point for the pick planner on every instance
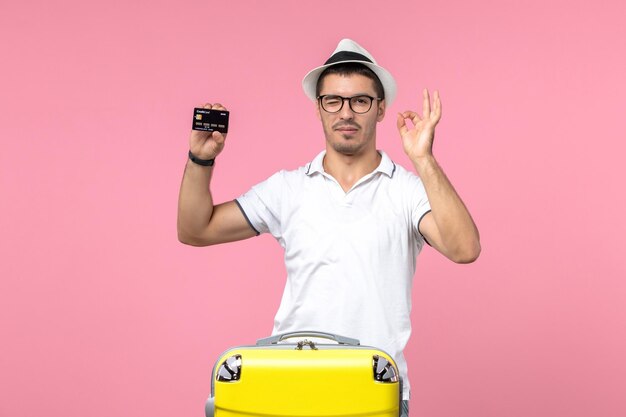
(350, 257)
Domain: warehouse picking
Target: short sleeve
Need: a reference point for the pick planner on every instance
(420, 205)
(261, 205)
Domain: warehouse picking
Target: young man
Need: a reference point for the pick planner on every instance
(351, 222)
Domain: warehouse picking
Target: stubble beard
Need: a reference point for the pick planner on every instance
(344, 148)
(348, 145)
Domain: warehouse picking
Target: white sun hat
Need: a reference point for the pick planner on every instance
(349, 51)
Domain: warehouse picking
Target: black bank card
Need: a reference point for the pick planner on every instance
(210, 120)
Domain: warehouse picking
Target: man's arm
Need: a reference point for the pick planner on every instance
(449, 227)
(200, 223)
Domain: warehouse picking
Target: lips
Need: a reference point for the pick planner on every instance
(347, 128)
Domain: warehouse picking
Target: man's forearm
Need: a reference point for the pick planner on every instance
(195, 204)
(458, 232)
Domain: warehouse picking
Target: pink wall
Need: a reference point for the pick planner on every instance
(104, 313)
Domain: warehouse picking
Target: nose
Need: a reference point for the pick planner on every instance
(346, 111)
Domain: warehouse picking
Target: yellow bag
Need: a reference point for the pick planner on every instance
(304, 378)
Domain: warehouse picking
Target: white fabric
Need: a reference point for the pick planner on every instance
(350, 257)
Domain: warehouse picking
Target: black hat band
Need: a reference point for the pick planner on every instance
(347, 56)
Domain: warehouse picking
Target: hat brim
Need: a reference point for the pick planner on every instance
(309, 82)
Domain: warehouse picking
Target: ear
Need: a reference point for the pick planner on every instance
(317, 109)
(381, 110)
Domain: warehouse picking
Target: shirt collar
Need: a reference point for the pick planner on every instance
(386, 166)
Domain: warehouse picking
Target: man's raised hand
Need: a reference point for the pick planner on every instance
(418, 140)
(207, 145)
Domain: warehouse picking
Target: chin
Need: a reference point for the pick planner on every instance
(346, 149)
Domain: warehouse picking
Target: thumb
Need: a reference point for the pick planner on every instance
(219, 137)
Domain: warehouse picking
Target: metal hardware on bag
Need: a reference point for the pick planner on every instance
(384, 371)
(304, 342)
(230, 370)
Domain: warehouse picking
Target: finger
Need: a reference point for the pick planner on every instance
(426, 104)
(219, 137)
(413, 116)
(218, 106)
(437, 103)
(401, 123)
(207, 106)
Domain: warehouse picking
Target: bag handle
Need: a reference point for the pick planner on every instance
(342, 340)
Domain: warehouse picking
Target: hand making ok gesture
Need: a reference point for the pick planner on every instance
(418, 140)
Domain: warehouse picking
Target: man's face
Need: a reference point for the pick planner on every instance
(347, 132)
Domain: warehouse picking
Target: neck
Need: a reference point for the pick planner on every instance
(348, 169)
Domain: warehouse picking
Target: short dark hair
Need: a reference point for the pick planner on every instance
(349, 68)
